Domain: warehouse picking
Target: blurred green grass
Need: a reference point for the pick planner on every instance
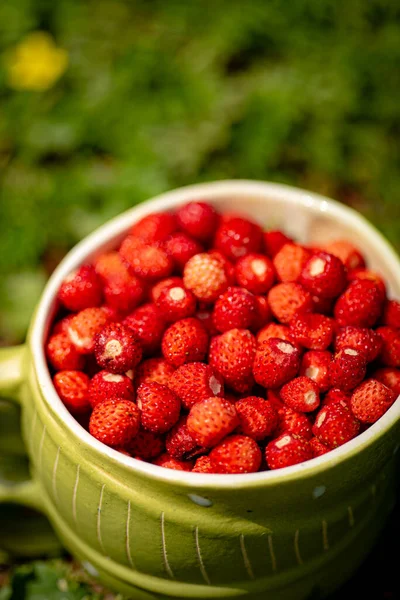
(160, 94)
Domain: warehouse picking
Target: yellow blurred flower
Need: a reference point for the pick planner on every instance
(35, 63)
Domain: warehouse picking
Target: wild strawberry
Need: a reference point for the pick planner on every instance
(236, 454)
(148, 325)
(347, 369)
(155, 227)
(274, 241)
(290, 261)
(180, 247)
(157, 288)
(154, 369)
(115, 422)
(390, 354)
(117, 349)
(367, 341)
(234, 309)
(62, 325)
(359, 274)
(276, 361)
(313, 331)
(166, 461)
(292, 421)
(62, 354)
(350, 256)
(263, 313)
(179, 442)
(72, 387)
(391, 314)
(301, 394)
(258, 418)
(185, 341)
(194, 382)
(159, 407)
(198, 219)
(318, 448)
(146, 445)
(286, 450)
(203, 465)
(237, 238)
(109, 265)
(122, 291)
(336, 395)
(84, 327)
(145, 261)
(232, 355)
(210, 420)
(255, 272)
(206, 276)
(274, 398)
(274, 330)
(81, 289)
(205, 316)
(335, 424)
(315, 364)
(360, 305)
(288, 300)
(176, 302)
(105, 385)
(324, 275)
(371, 400)
(389, 377)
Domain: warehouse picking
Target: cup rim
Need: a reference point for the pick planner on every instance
(206, 191)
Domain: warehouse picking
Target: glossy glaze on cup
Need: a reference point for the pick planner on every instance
(281, 535)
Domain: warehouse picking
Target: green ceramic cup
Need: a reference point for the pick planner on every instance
(156, 533)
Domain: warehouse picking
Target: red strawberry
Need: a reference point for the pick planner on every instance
(180, 247)
(289, 262)
(258, 418)
(62, 354)
(371, 400)
(288, 300)
(313, 331)
(366, 341)
(236, 454)
(274, 241)
(389, 377)
(145, 261)
(301, 394)
(146, 445)
(176, 302)
(154, 369)
(347, 369)
(62, 325)
(315, 364)
(391, 314)
(203, 465)
(210, 420)
(158, 287)
(350, 256)
(109, 266)
(255, 272)
(360, 305)
(194, 382)
(148, 325)
(179, 442)
(286, 450)
(185, 341)
(318, 448)
(117, 348)
(159, 407)
(274, 330)
(390, 355)
(335, 424)
(292, 421)
(81, 289)
(105, 385)
(207, 276)
(166, 461)
(237, 238)
(115, 422)
(336, 395)
(122, 291)
(72, 387)
(276, 361)
(84, 327)
(198, 219)
(232, 355)
(234, 309)
(324, 275)
(263, 313)
(359, 274)
(205, 316)
(155, 227)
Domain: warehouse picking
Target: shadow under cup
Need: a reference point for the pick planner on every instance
(152, 532)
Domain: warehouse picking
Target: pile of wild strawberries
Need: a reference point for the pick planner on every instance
(206, 344)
